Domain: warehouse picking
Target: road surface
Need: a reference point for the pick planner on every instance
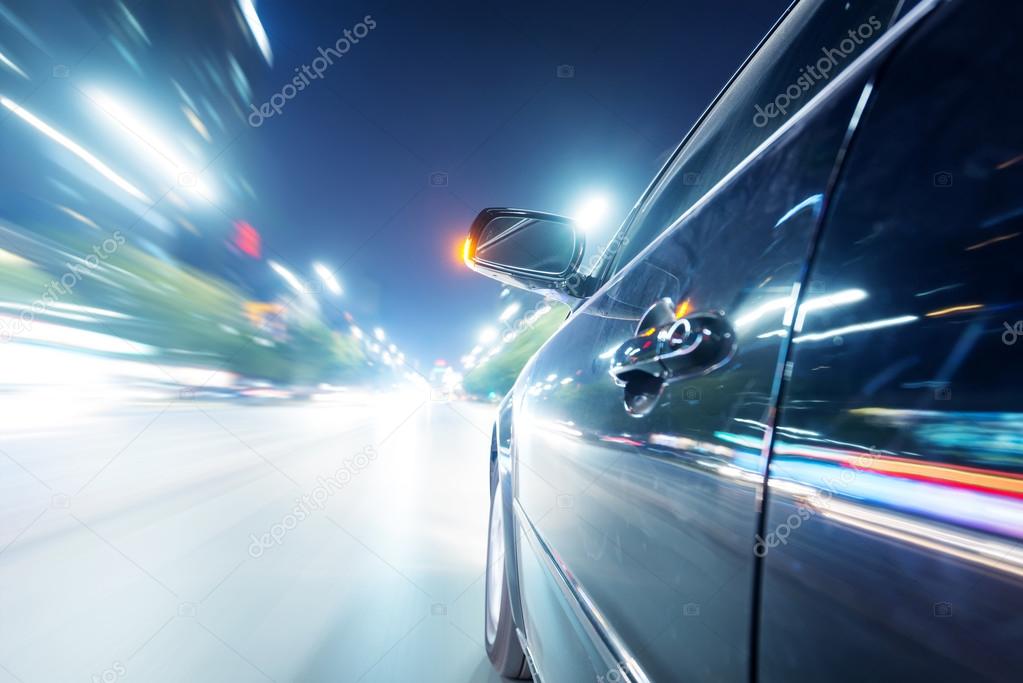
(192, 540)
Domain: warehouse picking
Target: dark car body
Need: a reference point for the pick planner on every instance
(838, 494)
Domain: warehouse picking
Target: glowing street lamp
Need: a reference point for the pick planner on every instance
(592, 211)
(327, 277)
(287, 276)
(508, 312)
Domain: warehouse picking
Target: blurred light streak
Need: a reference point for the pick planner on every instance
(860, 327)
(813, 201)
(5, 60)
(22, 29)
(953, 309)
(197, 124)
(760, 311)
(90, 309)
(133, 22)
(987, 552)
(993, 240)
(508, 312)
(71, 337)
(327, 277)
(160, 151)
(256, 27)
(846, 296)
(287, 276)
(78, 217)
(74, 148)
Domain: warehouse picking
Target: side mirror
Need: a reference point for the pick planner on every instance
(528, 249)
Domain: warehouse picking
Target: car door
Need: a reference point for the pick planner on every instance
(646, 513)
(893, 539)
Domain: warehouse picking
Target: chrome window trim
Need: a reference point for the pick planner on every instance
(855, 69)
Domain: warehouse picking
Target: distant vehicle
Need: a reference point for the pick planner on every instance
(780, 436)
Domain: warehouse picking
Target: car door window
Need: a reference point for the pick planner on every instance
(816, 41)
(653, 515)
(894, 521)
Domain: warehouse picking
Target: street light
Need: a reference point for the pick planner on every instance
(508, 312)
(288, 277)
(327, 277)
(591, 211)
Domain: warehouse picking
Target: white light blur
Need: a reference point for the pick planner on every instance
(592, 211)
(356, 332)
(155, 144)
(846, 296)
(508, 312)
(256, 27)
(74, 148)
(71, 337)
(12, 66)
(287, 276)
(392, 348)
(487, 335)
(327, 277)
(861, 327)
(379, 334)
(760, 311)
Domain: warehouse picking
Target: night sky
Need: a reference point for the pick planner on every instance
(465, 92)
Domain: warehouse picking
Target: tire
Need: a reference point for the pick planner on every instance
(502, 643)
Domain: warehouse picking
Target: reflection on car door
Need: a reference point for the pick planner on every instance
(650, 519)
(893, 540)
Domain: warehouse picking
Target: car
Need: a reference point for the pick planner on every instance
(779, 436)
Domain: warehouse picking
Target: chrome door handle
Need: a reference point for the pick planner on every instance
(669, 351)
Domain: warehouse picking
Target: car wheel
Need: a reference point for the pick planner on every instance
(503, 646)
